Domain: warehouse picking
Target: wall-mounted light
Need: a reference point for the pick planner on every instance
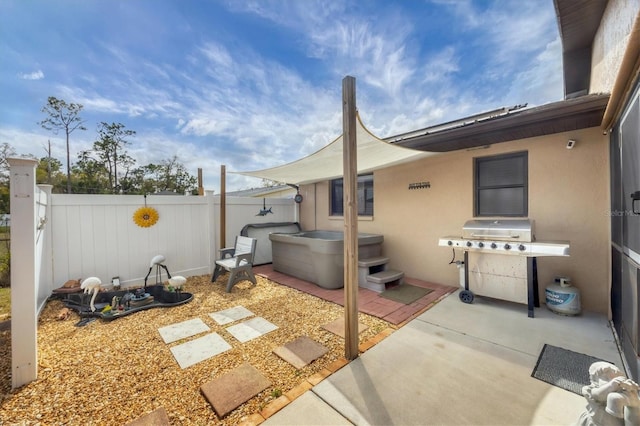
(571, 143)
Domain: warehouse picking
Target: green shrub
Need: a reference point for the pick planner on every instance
(5, 269)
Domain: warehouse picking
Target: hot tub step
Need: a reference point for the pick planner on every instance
(377, 282)
(372, 261)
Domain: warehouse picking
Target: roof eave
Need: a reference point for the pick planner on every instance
(572, 114)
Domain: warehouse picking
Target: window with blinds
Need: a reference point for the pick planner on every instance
(365, 196)
(501, 185)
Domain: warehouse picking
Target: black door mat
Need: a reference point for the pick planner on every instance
(564, 368)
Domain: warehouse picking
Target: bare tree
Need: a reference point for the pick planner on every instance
(110, 149)
(63, 116)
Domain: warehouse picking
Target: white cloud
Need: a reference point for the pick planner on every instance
(36, 75)
(543, 81)
(219, 99)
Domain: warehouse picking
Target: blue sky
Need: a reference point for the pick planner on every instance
(255, 84)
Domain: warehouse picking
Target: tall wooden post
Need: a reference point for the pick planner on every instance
(350, 178)
(200, 185)
(223, 206)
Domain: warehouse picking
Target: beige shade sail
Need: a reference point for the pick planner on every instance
(326, 163)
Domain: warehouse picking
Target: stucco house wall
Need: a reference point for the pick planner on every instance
(610, 43)
(568, 199)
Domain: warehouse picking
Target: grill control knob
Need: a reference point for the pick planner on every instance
(450, 243)
(507, 247)
(521, 247)
(469, 243)
(494, 245)
(480, 244)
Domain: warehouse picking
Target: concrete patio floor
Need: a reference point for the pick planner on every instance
(457, 364)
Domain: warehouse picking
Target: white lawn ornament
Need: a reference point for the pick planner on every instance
(91, 285)
(157, 262)
(612, 399)
(177, 282)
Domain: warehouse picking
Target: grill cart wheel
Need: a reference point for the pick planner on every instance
(466, 296)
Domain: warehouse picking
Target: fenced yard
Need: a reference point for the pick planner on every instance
(81, 236)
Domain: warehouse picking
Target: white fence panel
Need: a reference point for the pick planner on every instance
(43, 245)
(95, 235)
(243, 211)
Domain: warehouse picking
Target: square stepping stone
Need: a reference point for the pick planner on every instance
(229, 391)
(251, 329)
(337, 327)
(199, 349)
(174, 332)
(157, 417)
(301, 351)
(230, 315)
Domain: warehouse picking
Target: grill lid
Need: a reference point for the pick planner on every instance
(502, 229)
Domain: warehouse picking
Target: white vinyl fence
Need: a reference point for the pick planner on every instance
(95, 235)
(58, 237)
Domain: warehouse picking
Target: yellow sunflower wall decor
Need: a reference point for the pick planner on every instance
(145, 217)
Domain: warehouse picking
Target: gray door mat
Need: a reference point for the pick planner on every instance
(563, 368)
(231, 390)
(301, 352)
(405, 293)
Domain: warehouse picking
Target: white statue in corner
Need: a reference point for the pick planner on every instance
(612, 399)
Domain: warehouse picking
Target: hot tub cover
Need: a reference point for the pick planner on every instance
(327, 163)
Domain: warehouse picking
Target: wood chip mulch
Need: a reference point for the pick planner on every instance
(113, 372)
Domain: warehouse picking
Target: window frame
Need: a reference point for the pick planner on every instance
(478, 162)
(362, 188)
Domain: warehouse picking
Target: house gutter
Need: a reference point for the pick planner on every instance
(628, 73)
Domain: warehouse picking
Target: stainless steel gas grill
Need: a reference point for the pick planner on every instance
(500, 259)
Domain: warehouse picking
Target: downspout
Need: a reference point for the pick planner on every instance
(630, 66)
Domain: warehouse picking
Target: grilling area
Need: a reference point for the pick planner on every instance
(500, 259)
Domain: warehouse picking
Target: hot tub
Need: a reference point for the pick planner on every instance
(318, 256)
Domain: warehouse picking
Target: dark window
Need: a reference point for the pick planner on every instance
(365, 196)
(500, 185)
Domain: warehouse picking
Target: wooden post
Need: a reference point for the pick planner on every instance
(223, 206)
(350, 178)
(200, 186)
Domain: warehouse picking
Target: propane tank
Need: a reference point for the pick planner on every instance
(562, 297)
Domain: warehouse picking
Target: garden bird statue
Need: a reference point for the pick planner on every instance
(177, 282)
(91, 286)
(156, 261)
